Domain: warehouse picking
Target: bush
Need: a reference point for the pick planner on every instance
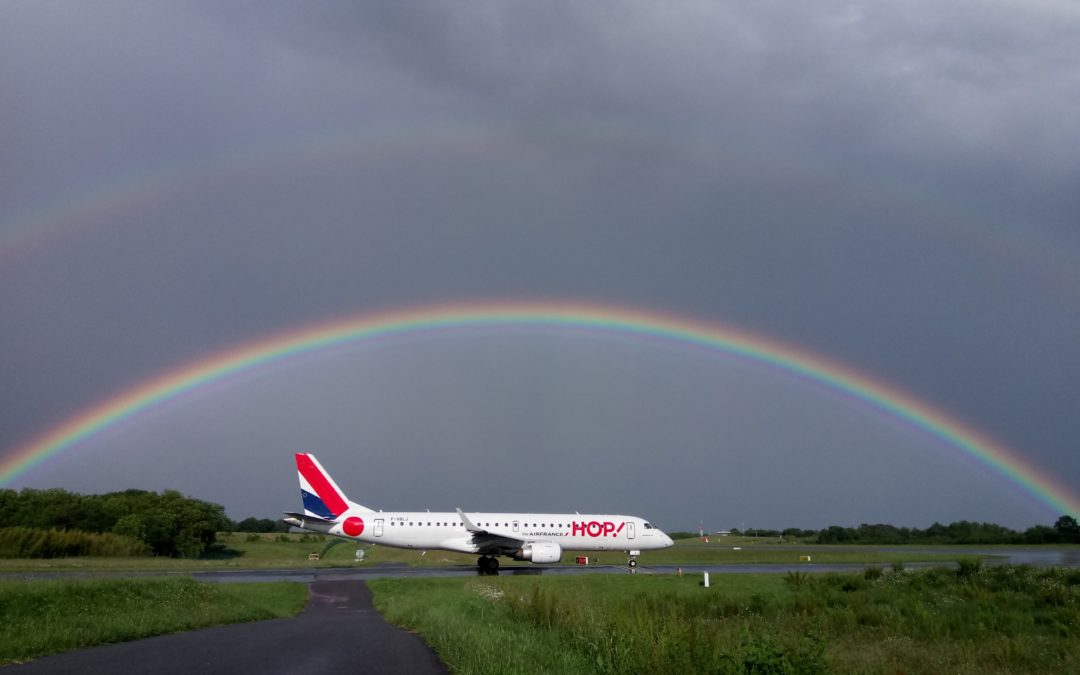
(968, 568)
(796, 578)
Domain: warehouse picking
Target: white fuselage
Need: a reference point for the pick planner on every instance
(536, 537)
(446, 530)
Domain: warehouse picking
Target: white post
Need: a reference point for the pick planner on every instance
(706, 580)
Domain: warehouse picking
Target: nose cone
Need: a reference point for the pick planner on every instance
(667, 541)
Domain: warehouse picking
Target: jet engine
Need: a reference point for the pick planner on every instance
(540, 552)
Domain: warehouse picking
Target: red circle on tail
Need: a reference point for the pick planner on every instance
(353, 526)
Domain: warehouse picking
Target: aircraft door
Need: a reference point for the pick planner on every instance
(378, 527)
(629, 530)
(515, 526)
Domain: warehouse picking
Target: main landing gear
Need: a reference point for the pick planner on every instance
(488, 565)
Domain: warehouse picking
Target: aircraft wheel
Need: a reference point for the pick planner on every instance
(493, 564)
(482, 562)
(632, 562)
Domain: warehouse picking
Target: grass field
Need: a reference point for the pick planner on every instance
(969, 620)
(264, 551)
(44, 617)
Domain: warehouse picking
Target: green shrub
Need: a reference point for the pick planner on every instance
(967, 568)
(796, 578)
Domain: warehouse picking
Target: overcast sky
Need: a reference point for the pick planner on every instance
(891, 185)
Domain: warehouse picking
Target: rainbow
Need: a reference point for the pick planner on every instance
(627, 323)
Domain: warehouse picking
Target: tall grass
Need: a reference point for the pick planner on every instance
(43, 617)
(29, 542)
(969, 620)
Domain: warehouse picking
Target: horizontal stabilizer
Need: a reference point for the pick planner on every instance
(307, 517)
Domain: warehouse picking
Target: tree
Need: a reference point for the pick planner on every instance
(1068, 529)
(170, 523)
(263, 525)
(834, 534)
(1040, 534)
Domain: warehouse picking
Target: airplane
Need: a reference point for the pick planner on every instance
(536, 537)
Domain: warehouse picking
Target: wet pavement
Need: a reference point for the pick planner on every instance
(338, 632)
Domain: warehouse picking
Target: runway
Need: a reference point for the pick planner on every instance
(338, 632)
(398, 570)
(1036, 556)
(1039, 557)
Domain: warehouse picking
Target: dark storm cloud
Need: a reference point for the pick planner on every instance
(892, 184)
(890, 77)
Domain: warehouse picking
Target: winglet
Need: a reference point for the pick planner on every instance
(468, 523)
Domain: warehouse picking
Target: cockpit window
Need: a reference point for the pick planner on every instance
(648, 526)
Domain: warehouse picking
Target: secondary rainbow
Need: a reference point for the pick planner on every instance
(629, 323)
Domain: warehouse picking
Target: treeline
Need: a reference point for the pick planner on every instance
(1065, 531)
(260, 525)
(167, 523)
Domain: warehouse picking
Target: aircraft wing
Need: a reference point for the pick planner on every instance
(490, 541)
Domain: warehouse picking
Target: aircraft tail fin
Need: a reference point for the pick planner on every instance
(321, 495)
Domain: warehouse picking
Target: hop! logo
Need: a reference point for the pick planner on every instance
(353, 526)
(594, 528)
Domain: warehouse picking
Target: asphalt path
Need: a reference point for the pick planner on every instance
(339, 631)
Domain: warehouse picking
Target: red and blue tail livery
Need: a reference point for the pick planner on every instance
(535, 537)
(320, 494)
